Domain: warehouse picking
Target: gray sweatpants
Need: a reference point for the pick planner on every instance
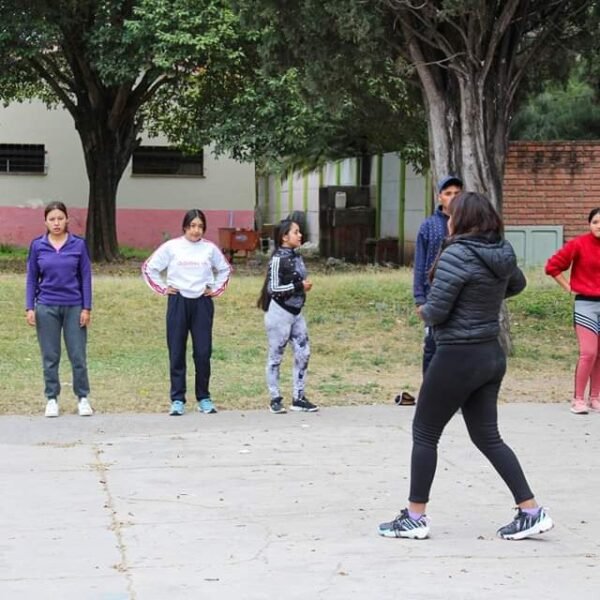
(283, 327)
(50, 321)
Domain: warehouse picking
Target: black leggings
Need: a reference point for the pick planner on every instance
(466, 376)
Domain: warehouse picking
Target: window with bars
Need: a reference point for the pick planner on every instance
(22, 158)
(166, 161)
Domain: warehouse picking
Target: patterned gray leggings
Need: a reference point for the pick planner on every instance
(283, 327)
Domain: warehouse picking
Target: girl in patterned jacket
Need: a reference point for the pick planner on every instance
(282, 298)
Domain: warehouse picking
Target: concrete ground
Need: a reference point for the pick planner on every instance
(249, 505)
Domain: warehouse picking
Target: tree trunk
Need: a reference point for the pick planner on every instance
(465, 139)
(464, 142)
(442, 105)
(101, 225)
(443, 132)
(478, 155)
(107, 152)
(467, 120)
(482, 157)
(504, 337)
(366, 162)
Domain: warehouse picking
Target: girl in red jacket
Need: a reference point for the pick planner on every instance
(582, 255)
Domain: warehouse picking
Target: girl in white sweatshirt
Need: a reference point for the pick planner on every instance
(190, 271)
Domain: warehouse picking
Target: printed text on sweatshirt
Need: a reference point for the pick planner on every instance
(191, 267)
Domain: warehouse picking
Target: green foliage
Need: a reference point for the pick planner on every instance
(289, 125)
(472, 58)
(96, 47)
(560, 112)
(201, 72)
(290, 113)
(546, 304)
(8, 251)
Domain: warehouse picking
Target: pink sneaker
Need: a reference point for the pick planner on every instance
(579, 407)
(595, 404)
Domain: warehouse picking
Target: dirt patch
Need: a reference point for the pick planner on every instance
(537, 387)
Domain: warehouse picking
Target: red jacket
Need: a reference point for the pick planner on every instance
(582, 254)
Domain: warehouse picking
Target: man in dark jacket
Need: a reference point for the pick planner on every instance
(431, 234)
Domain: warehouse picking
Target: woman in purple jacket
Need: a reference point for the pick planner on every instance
(59, 300)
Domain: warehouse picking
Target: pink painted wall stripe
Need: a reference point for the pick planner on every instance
(139, 228)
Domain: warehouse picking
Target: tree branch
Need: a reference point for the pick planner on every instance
(119, 103)
(56, 70)
(144, 91)
(528, 54)
(498, 31)
(435, 40)
(48, 77)
(73, 48)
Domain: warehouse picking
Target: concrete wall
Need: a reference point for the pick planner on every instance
(149, 208)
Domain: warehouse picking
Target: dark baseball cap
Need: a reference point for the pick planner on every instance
(447, 181)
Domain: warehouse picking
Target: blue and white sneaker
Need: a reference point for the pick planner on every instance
(524, 525)
(177, 408)
(403, 526)
(206, 406)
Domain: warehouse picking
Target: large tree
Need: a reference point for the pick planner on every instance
(470, 59)
(105, 61)
(290, 118)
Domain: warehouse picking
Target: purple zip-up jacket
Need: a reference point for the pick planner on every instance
(58, 277)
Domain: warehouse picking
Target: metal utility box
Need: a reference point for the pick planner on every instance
(232, 240)
(343, 196)
(346, 221)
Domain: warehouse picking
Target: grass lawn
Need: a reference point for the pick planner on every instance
(365, 340)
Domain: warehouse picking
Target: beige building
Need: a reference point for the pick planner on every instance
(41, 160)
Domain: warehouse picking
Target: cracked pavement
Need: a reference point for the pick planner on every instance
(250, 505)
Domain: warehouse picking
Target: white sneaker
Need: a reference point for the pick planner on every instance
(84, 408)
(51, 408)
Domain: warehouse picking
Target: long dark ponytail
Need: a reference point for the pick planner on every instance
(280, 230)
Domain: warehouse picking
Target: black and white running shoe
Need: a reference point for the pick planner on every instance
(304, 405)
(277, 406)
(403, 526)
(524, 525)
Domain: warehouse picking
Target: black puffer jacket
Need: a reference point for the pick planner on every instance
(472, 278)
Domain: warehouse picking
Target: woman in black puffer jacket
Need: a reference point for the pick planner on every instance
(475, 271)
